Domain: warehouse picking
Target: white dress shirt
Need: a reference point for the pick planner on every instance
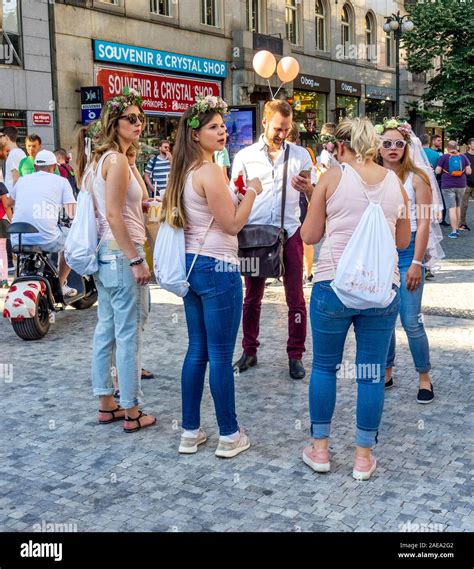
(255, 162)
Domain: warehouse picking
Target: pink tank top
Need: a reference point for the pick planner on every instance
(217, 243)
(344, 210)
(132, 211)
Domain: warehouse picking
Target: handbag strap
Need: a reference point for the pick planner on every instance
(90, 189)
(285, 177)
(200, 248)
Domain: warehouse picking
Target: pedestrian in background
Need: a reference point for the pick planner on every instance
(199, 200)
(453, 168)
(157, 171)
(123, 275)
(15, 156)
(33, 146)
(339, 200)
(469, 193)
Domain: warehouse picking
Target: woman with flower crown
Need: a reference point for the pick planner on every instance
(395, 155)
(198, 200)
(123, 275)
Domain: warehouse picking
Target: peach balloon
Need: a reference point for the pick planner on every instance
(288, 68)
(264, 63)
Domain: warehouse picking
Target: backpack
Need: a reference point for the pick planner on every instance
(169, 259)
(364, 275)
(82, 242)
(455, 166)
(71, 177)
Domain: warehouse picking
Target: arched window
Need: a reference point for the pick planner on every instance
(346, 29)
(293, 21)
(320, 24)
(370, 37)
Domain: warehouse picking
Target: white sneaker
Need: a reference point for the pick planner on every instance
(189, 445)
(227, 449)
(69, 291)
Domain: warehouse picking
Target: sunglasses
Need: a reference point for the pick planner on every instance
(133, 118)
(389, 144)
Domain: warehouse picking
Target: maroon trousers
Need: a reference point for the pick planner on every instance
(293, 282)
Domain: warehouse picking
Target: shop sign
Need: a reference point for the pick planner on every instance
(381, 93)
(348, 88)
(155, 59)
(312, 83)
(43, 119)
(162, 94)
(310, 121)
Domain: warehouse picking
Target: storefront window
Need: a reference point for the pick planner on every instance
(309, 111)
(347, 107)
(16, 119)
(10, 31)
(156, 129)
(376, 110)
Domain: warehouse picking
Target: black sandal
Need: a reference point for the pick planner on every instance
(137, 419)
(147, 374)
(114, 418)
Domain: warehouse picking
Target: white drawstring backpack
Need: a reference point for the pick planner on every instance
(364, 275)
(169, 259)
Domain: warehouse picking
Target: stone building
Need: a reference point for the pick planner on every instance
(173, 49)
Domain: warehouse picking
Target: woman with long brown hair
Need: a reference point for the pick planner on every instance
(198, 200)
(395, 155)
(123, 275)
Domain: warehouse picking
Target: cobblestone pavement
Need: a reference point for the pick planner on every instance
(59, 467)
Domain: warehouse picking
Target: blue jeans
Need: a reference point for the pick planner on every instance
(213, 307)
(330, 321)
(122, 313)
(410, 314)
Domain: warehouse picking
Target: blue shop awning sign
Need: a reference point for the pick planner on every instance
(155, 59)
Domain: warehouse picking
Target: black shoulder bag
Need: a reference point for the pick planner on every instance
(261, 246)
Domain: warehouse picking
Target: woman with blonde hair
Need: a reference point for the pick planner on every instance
(338, 202)
(198, 200)
(395, 155)
(123, 276)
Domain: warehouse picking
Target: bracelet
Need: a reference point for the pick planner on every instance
(250, 189)
(136, 261)
(417, 263)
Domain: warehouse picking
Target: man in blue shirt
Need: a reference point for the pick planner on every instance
(157, 171)
(432, 155)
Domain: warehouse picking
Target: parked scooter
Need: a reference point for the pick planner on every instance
(36, 293)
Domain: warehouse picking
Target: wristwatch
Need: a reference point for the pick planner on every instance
(136, 261)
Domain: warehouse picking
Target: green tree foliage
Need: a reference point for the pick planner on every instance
(443, 41)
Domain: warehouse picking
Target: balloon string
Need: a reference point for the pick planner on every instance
(270, 87)
(274, 96)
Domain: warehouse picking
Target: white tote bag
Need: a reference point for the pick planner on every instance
(82, 242)
(169, 259)
(364, 275)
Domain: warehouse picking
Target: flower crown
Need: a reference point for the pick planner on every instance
(129, 97)
(395, 123)
(209, 104)
(327, 139)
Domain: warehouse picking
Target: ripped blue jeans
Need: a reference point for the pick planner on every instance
(122, 312)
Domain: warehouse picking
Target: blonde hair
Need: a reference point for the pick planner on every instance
(407, 165)
(360, 137)
(187, 156)
(276, 106)
(328, 128)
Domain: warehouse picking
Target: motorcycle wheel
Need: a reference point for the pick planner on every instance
(37, 327)
(85, 302)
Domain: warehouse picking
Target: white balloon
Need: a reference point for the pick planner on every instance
(288, 68)
(264, 63)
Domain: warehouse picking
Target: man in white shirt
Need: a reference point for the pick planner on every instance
(38, 199)
(15, 156)
(265, 160)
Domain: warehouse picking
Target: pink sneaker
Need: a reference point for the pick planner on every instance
(318, 460)
(364, 468)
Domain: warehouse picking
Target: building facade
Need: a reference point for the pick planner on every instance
(174, 49)
(26, 82)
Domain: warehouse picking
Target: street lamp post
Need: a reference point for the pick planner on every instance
(398, 25)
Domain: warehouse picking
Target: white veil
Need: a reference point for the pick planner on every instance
(434, 251)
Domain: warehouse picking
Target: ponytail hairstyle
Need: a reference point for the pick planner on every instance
(359, 136)
(187, 156)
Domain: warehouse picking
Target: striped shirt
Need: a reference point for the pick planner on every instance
(158, 168)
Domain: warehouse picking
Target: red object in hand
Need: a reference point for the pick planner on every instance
(240, 184)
